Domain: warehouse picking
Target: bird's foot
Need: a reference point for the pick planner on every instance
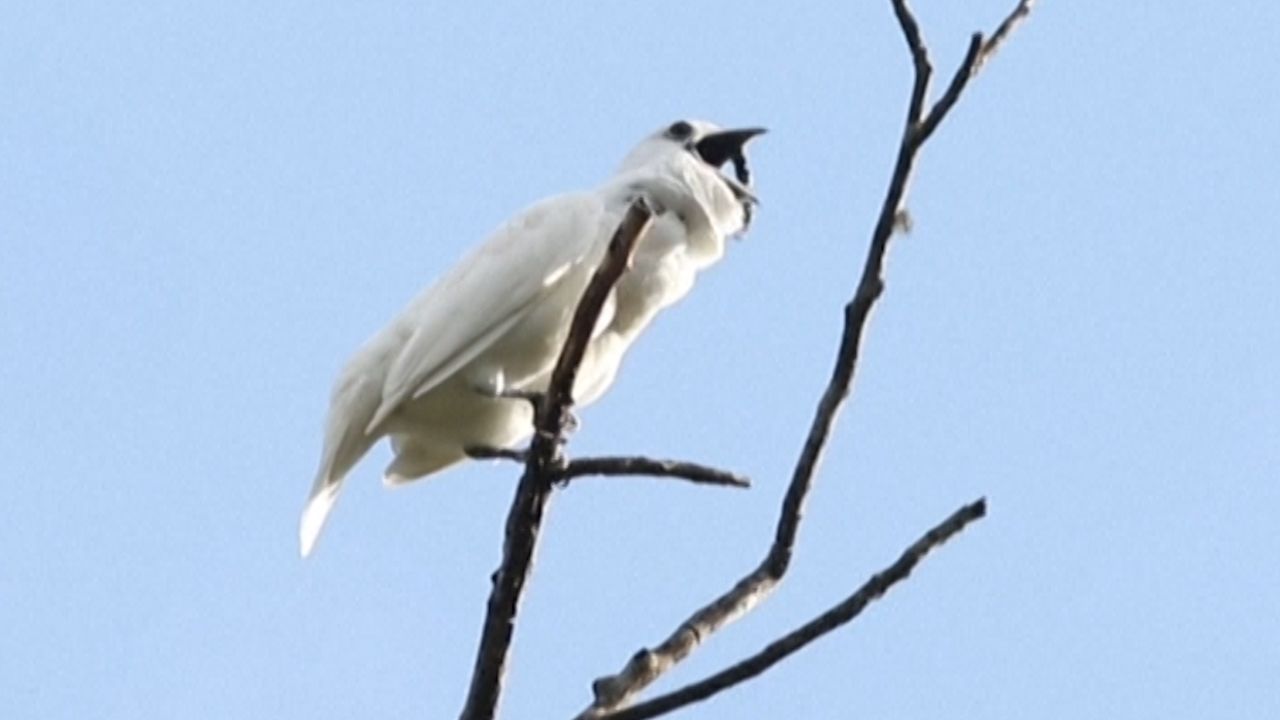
(538, 399)
(521, 456)
(488, 452)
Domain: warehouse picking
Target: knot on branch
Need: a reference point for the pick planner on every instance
(612, 690)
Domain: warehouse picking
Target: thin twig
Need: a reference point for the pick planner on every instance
(965, 72)
(837, 616)
(544, 460)
(980, 50)
(1005, 29)
(647, 665)
(693, 472)
(919, 59)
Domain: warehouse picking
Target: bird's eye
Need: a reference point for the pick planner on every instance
(680, 130)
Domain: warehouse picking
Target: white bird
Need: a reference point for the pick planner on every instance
(433, 380)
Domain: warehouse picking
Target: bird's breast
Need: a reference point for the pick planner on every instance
(661, 272)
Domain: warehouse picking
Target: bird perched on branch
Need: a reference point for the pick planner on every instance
(444, 375)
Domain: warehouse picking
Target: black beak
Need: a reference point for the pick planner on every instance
(719, 148)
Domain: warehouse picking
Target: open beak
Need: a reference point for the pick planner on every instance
(719, 148)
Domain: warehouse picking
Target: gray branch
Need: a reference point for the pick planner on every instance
(645, 466)
(834, 618)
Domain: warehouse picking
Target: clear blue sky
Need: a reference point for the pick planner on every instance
(205, 207)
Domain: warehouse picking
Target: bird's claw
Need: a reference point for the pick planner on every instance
(538, 399)
(488, 452)
(533, 397)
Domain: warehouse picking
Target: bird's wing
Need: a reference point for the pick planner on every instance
(487, 293)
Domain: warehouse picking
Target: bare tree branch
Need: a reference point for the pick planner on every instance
(968, 67)
(638, 465)
(545, 459)
(645, 666)
(837, 616)
(978, 53)
(919, 58)
(693, 472)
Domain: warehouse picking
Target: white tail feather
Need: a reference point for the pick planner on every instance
(315, 514)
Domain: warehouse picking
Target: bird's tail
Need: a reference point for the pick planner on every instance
(345, 443)
(324, 493)
(337, 462)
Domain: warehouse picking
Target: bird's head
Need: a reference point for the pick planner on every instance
(706, 143)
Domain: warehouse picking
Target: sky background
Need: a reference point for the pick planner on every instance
(205, 207)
